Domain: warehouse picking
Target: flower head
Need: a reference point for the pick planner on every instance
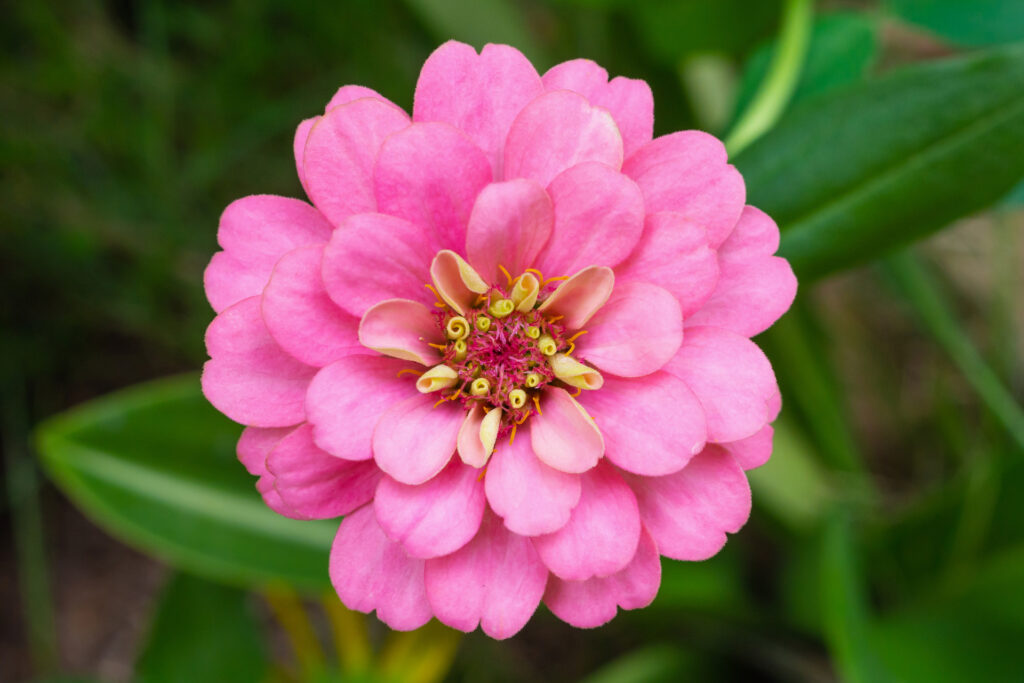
(508, 341)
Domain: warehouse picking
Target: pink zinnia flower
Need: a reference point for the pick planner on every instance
(509, 341)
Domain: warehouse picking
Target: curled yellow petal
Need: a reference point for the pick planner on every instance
(436, 378)
(483, 323)
(501, 308)
(457, 328)
(533, 332)
(547, 345)
(460, 349)
(533, 380)
(524, 294)
(455, 281)
(489, 430)
(481, 386)
(517, 398)
(575, 373)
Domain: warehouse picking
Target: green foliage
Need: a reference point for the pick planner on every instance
(155, 465)
(202, 631)
(926, 146)
(968, 22)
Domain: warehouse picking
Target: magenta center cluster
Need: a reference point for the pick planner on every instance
(506, 354)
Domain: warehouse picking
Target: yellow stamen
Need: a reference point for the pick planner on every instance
(410, 371)
(521, 420)
(501, 308)
(483, 323)
(540, 275)
(480, 298)
(576, 336)
(460, 349)
(439, 347)
(481, 386)
(438, 304)
(557, 278)
(533, 380)
(533, 332)
(440, 301)
(555, 318)
(508, 276)
(517, 398)
(547, 345)
(439, 402)
(536, 402)
(572, 347)
(457, 328)
(512, 436)
(579, 390)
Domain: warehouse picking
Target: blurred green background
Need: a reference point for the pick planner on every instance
(887, 540)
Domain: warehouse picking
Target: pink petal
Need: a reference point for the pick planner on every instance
(557, 131)
(531, 497)
(599, 215)
(673, 253)
(249, 377)
(563, 436)
(755, 288)
(591, 603)
(602, 533)
(635, 333)
(351, 93)
(299, 148)
(478, 94)
(255, 232)
(430, 174)
(370, 572)
(688, 513)
(732, 379)
(456, 282)
(254, 446)
(510, 223)
(401, 329)
(580, 297)
(414, 440)
(629, 100)
(495, 581)
(301, 317)
(340, 154)
(752, 451)
(688, 173)
(372, 257)
(435, 518)
(651, 426)
(316, 484)
(346, 399)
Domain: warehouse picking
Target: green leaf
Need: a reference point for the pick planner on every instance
(843, 47)
(202, 631)
(854, 173)
(968, 22)
(155, 465)
(972, 633)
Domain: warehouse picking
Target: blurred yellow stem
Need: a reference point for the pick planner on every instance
(287, 608)
(351, 639)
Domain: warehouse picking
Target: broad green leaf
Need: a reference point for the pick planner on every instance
(843, 47)
(202, 631)
(971, 633)
(155, 465)
(854, 173)
(968, 22)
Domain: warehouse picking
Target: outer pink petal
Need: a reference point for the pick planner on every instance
(599, 215)
(371, 572)
(557, 131)
(564, 436)
(591, 603)
(301, 317)
(673, 253)
(249, 377)
(254, 446)
(435, 518)
(314, 483)
(496, 581)
(581, 296)
(752, 451)
(351, 93)
(688, 513)
(731, 377)
(430, 174)
(651, 426)
(340, 154)
(478, 94)
(629, 100)
(402, 329)
(346, 399)
(414, 440)
(602, 533)
(255, 232)
(299, 148)
(635, 333)
(373, 257)
(531, 497)
(755, 288)
(510, 223)
(687, 173)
